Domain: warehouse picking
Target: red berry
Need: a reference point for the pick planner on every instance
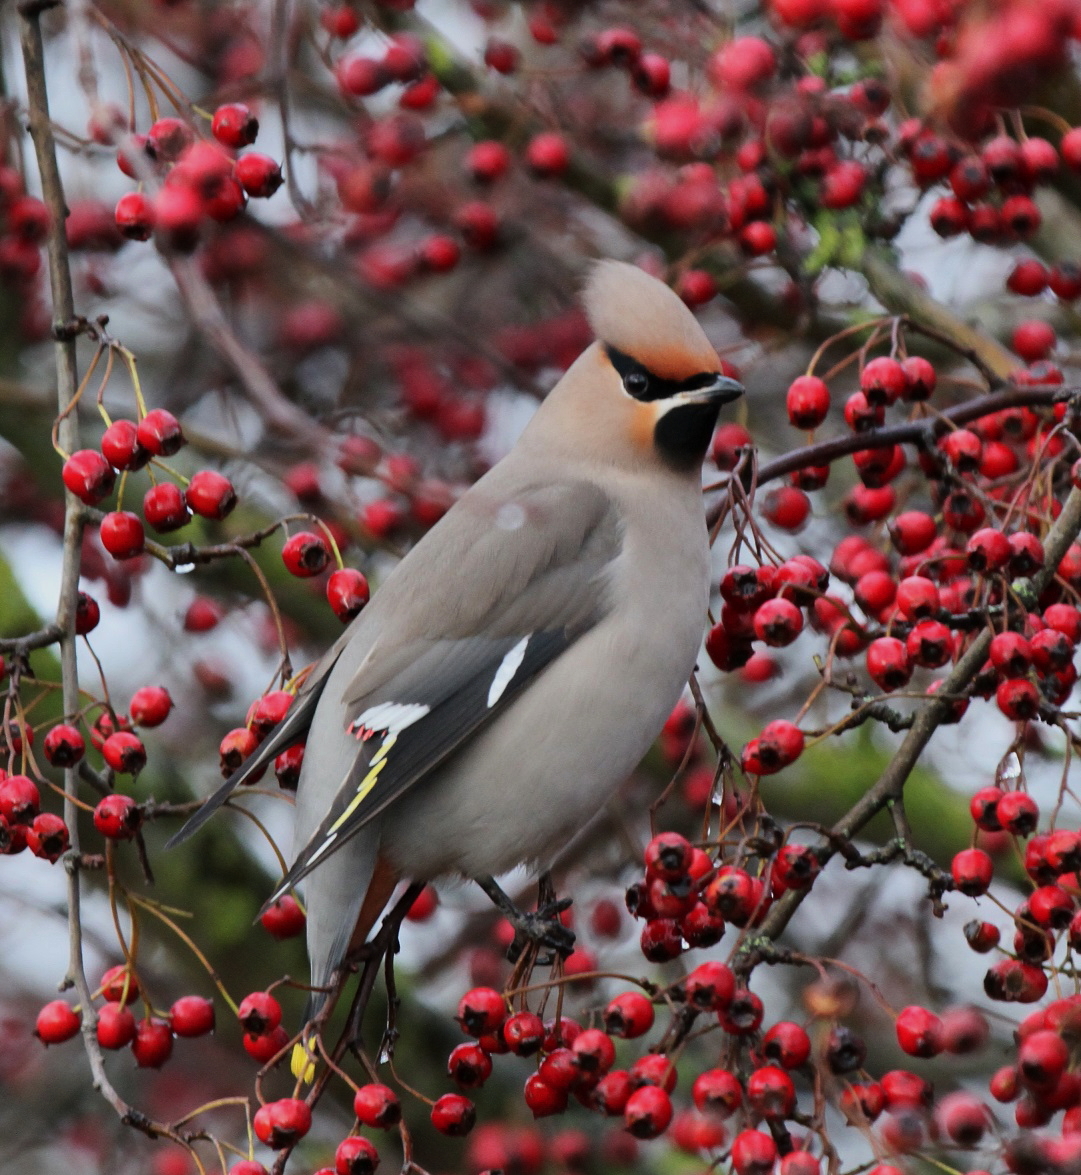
(210, 494)
(717, 1092)
(122, 534)
(1028, 278)
(347, 593)
(743, 1015)
(1033, 340)
(124, 752)
(487, 161)
(523, 1033)
(159, 433)
(547, 155)
(972, 871)
(787, 1044)
(453, 1115)
(742, 64)
(150, 705)
(259, 175)
(648, 1112)
(469, 1065)
(282, 1123)
(284, 918)
(481, 1011)
(888, 663)
(697, 287)
(883, 381)
(164, 507)
(135, 216)
(265, 1046)
(808, 402)
(56, 1022)
(1018, 699)
(355, 1156)
(64, 746)
(786, 507)
(259, 1013)
(542, 1098)
(234, 125)
(709, 987)
(771, 1093)
(1042, 1059)
(116, 1026)
(153, 1043)
(629, 1015)
(378, 1106)
(88, 476)
(119, 985)
(501, 56)
(988, 550)
(192, 1015)
(1018, 813)
(651, 75)
(753, 1153)
(117, 816)
(929, 644)
(778, 622)
(305, 554)
(668, 855)
(120, 446)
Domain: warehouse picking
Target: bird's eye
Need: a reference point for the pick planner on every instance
(636, 382)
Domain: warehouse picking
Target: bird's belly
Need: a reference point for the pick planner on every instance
(522, 786)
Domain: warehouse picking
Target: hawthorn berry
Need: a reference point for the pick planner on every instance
(629, 1015)
(347, 593)
(116, 1026)
(377, 1106)
(64, 746)
(481, 1011)
(152, 1044)
(124, 752)
(919, 1032)
(159, 432)
(282, 1123)
(306, 554)
(355, 1156)
(165, 508)
(648, 1112)
(117, 816)
(284, 918)
(234, 125)
(753, 1153)
(192, 1015)
(258, 175)
(56, 1022)
(88, 476)
(210, 494)
(453, 1115)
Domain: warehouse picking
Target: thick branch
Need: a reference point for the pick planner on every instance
(68, 436)
(901, 296)
(912, 431)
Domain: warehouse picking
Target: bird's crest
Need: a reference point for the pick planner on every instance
(643, 318)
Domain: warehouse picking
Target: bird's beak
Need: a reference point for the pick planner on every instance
(723, 390)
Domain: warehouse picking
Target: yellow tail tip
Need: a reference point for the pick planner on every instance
(302, 1063)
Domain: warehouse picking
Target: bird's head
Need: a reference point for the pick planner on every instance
(651, 386)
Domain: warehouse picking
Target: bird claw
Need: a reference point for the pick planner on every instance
(542, 928)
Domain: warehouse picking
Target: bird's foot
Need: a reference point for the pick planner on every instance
(540, 928)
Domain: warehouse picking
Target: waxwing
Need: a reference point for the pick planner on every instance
(516, 665)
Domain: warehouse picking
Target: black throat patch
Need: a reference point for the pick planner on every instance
(683, 433)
